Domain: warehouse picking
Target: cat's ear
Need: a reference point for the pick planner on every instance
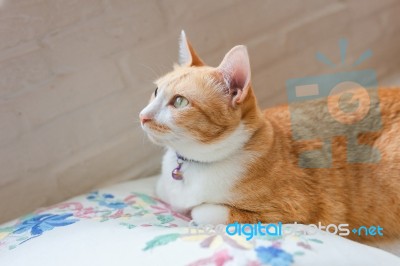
(187, 55)
(235, 68)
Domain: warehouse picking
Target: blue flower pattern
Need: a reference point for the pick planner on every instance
(106, 207)
(43, 222)
(274, 256)
(107, 200)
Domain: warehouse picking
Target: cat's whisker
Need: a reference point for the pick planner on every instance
(156, 75)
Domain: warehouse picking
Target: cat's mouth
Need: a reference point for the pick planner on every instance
(159, 128)
(156, 132)
(160, 134)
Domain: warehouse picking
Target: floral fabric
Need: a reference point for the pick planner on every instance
(127, 225)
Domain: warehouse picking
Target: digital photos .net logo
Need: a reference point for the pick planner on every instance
(251, 231)
(342, 104)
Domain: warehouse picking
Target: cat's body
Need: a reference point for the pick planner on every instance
(243, 164)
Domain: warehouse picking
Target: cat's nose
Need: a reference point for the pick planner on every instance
(144, 118)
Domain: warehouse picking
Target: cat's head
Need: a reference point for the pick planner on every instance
(204, 113)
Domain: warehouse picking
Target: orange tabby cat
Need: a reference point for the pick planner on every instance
(229, 161)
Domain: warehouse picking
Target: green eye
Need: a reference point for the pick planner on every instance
(180, 102)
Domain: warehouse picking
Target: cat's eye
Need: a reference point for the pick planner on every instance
(155, 92)
(180, 102)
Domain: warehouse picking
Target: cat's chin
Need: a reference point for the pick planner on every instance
(164, 141)
(158, 140)
(155, 140)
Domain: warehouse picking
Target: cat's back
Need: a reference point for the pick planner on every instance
(390, 102)
(362, 128)
(302, 120)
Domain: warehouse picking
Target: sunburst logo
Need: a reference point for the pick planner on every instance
(343, 44)
(338, 104)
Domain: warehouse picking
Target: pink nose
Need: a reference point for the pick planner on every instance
(144, 118)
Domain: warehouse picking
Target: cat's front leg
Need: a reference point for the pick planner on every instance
(208, 213)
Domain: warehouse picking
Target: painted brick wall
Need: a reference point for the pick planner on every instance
(74, 74)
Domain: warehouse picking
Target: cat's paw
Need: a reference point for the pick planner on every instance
(210, 214)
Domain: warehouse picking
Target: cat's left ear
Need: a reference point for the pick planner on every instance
(187, 55)
(235, 68)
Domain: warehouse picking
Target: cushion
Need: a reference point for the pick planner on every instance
(126, 224)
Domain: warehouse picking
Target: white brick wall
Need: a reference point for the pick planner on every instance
(74, 74)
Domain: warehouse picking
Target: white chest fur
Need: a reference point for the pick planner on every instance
(202, 182)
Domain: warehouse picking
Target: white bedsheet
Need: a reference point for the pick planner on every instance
(126, 224)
